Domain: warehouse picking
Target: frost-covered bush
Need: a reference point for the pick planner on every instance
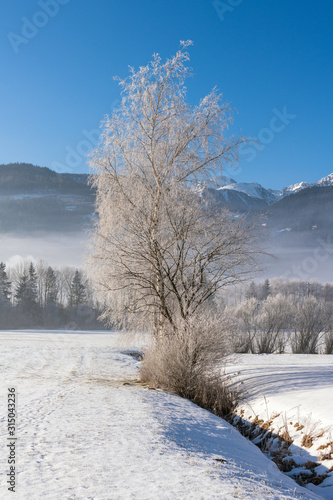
(308, 324)
(273, 318)
(261, 325)
(246, 315)
(189, 361)
(292, 316)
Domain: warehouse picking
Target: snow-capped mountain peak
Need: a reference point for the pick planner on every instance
(326, 181)
(220, 181)
(246, 187)
(294, 188)
(246, 196)
(253, 189)
(214, 183)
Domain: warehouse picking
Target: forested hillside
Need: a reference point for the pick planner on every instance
(308, 210)
(26, 178)
(37, 199)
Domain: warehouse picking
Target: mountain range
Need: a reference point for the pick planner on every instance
(37, 198)
(247, 196)
(296, 224)
(39, 207)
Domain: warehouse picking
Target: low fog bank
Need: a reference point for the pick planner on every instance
(291, 262)
(299, 263)
(56, 248)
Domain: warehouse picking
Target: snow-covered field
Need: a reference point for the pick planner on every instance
(85, 430)
(295, 393)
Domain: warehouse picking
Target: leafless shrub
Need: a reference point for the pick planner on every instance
(272, 319)
(261, 324)
(189, 362)
(247, 325)
(308, 324)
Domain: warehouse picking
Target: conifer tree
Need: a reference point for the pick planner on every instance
(5, 295)
(21, 291)
(5, 284)
(50, 286)
(32, 295)
(265, 290)
(27, 298)
(77, 290)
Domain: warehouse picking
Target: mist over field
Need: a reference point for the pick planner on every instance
(290, 262)
(297, 262)
(55, 248)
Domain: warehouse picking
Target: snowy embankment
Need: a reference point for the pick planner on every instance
(291, 395)
(85, 430)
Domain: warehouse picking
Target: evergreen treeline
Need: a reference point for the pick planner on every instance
(40, 296)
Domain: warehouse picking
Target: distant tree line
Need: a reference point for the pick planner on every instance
(284, 316)
(40, 296)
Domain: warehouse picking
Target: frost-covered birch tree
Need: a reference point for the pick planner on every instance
(159, 251)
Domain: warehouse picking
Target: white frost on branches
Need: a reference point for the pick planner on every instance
(159, 251)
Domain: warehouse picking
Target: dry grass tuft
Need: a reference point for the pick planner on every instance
(307, 441)
(285, 436)
(185, 361)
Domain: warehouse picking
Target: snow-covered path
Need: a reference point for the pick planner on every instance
(85, 433)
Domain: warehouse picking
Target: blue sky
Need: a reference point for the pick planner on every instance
(271, 59)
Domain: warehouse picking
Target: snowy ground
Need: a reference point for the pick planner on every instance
(295, 393)
(85, 432)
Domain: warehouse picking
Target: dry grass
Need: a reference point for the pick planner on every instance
(189, 362)
(262, 435)
(327, 453)
(307, 441)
